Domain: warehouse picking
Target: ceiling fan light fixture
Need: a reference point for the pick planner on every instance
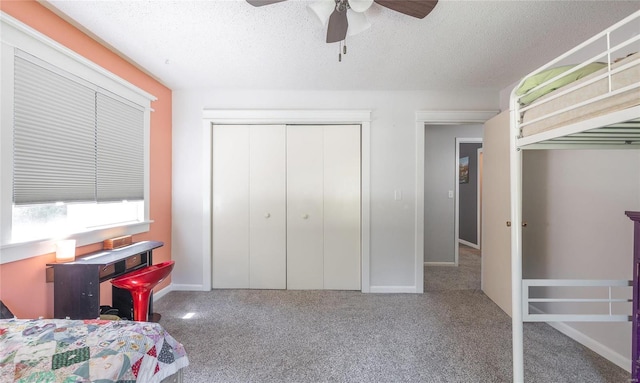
(358, 22)
(322, 9)
(360, 5)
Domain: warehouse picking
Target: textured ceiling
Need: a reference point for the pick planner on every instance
(228, 44)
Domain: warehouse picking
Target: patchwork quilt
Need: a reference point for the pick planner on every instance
(66, 351)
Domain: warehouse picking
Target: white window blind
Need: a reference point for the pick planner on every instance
(53, 137)
(72, 142)
(120, 154)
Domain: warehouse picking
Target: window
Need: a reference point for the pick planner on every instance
(74, 147)
(57, 220)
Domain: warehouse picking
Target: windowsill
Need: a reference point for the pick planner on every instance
(12, 252)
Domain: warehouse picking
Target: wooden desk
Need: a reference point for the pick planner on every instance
(76, 285)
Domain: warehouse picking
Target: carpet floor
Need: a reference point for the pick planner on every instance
(453, 334)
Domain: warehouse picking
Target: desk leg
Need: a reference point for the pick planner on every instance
(121, 299)
(76, 292)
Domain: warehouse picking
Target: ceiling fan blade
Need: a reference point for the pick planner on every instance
(338, 25)
(260, 3)
(415, 8)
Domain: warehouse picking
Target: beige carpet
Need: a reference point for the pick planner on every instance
(464, 277)
(450, 334)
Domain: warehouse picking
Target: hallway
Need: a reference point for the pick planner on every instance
(464, 277)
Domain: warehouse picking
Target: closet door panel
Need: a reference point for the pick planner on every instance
(342, 207)
(267, 228)
(230, 226)
(304, 207)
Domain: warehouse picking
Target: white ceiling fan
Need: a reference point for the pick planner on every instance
(344, 17)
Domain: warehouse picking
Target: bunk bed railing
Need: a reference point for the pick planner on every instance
(607, 54)
(584, 135)
(539, 316)
(583, 103)
(581, 48)
(605, 46)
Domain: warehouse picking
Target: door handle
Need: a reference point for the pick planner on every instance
(305, 216)
(267, 215)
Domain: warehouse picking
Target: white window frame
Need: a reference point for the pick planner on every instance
(14, 35)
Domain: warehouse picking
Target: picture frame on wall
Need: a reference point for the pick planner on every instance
(464, 170)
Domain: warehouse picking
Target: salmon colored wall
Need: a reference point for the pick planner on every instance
(22, 284)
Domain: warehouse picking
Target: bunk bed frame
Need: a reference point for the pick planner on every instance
(614, 128)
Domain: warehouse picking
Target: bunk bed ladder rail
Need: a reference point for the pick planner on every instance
(540, 316)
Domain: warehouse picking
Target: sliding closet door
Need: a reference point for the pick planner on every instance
(230, 226)
(267, 227)
(304, 207)
(342, 207)
(286, 207)
(323, 207)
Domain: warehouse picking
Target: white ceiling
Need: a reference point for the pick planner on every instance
(228, 44)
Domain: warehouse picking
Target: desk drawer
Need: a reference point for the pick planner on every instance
(132, 262)
(107, 271)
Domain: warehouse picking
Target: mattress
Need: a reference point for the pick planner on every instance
(63, 350)
(623, 100)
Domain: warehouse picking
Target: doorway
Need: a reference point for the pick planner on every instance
(443, 188)
(468, 199)
(424, 120)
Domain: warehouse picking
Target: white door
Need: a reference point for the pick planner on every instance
(267, 226)
(342, 207)
(496, 206)
(323, 207)
(286, 207)
(249, 223)
(305, 221)
(230, 226)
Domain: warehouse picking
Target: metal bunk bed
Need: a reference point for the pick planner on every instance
(577, 117)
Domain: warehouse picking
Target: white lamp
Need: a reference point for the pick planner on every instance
(66, 250)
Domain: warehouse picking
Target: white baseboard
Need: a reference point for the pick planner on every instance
(392, 289)
(175, 287)
(166, 290)
(590, 343)
(440, 264)
(467, 243)
(182, 287)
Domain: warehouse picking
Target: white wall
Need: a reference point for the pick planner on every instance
(505, 96)
(393, 167)
(440, 177)
(574, 203)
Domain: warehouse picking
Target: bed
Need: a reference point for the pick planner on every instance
(562, 106)
(64, 350)
(586, 97)
(586, 102)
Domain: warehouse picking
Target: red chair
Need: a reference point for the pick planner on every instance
(140, 283)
